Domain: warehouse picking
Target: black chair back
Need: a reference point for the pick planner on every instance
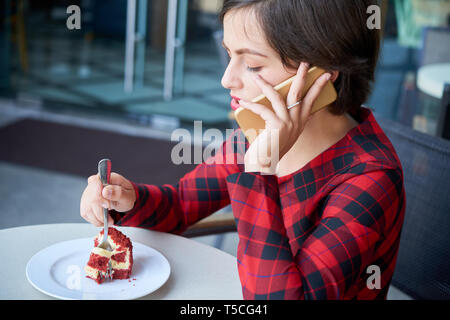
(423, 262)
(443, 128)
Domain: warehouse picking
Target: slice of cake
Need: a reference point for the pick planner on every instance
(121, 257)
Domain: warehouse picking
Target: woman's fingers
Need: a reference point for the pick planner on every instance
(312, 95)
(278, 104)
(90, 216)
(98, 214)
(295, 92)
(298, 83)
(117, 179)
(120, 193)
(112, 193)
(265, 113)
(118, 197)
(93, 202)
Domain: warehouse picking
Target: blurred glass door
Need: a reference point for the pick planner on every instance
(142, 59)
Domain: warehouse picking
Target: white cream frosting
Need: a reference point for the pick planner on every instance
(102, 252)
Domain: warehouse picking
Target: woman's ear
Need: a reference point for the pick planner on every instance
(334, 75)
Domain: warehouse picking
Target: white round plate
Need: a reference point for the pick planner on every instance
(58, 271)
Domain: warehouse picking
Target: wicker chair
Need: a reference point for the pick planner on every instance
(423, 263)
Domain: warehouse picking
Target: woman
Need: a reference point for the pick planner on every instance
(330, 213)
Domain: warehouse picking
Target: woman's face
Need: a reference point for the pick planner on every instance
(249, 53)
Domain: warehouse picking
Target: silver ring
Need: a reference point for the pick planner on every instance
(295, 104)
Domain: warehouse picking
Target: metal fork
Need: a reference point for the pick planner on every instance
(104, 170)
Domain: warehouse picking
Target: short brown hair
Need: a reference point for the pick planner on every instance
(330, 34)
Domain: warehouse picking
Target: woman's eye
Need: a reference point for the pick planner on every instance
(254, 69)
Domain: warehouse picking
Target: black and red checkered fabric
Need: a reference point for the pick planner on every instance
(317, 233)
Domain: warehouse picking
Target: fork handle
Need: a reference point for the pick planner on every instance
(105, 224)
(104, 170)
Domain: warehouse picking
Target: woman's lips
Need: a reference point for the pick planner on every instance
(235, 103)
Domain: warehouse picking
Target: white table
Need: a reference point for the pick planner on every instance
(432, 78)
(198, 271)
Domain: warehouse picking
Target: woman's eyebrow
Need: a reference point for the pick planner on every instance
(245, 51)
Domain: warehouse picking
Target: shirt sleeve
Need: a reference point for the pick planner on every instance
(325, 264)
(199, 193)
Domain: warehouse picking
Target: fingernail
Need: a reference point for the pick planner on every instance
(105, 205)
(328, 76)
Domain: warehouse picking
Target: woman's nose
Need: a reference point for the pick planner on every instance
(230, 79)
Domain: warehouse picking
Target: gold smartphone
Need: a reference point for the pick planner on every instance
(247, 119)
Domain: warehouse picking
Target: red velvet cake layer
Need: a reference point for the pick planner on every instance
(119, 257)
(122, 273)
(98, 262)
(121, 240)
(121, 246)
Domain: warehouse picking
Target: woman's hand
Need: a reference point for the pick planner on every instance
(283, 126)
(118, 195)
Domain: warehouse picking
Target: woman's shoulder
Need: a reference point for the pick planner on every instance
(370, 145)
(366, 153)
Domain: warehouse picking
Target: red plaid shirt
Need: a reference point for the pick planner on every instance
(311, 234)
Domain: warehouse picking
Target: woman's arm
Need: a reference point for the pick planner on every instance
(199, 193)
(325, 264)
